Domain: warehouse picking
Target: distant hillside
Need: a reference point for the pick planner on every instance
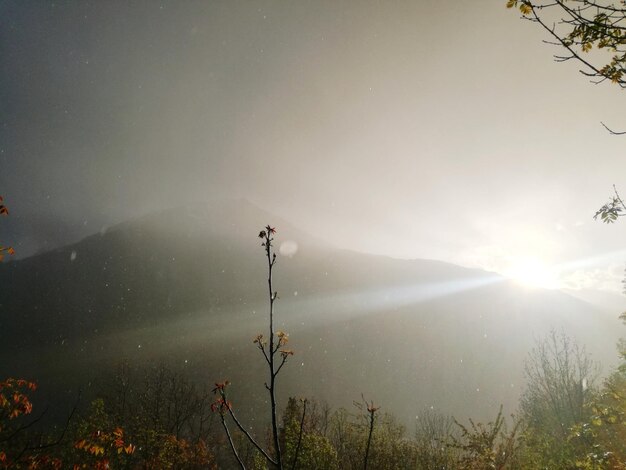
(187, 286)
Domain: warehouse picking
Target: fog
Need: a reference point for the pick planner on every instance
(418, 130)
(431, 171)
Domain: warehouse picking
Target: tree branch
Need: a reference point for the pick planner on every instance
(230, 441)
(611, 131)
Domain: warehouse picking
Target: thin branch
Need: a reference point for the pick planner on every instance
(280, 366)
(26, 426)
(271, 260)
(563, 43)
(575, 18)
(247, 434)
(619, 198)
(230, 441)
(262, 348)
(611, 131)
(55, 443)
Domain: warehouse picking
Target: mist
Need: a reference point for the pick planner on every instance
(431, 172)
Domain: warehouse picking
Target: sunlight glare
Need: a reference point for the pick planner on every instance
(533, 273)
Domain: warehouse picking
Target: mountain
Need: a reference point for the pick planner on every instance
(188, 286)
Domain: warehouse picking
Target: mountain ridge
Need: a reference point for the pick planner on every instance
(191, 290)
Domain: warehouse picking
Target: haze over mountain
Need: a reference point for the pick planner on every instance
(188, 286)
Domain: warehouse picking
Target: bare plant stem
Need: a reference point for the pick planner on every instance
(269, 354)
(271, 260)
(619, 198)
(611, 131)
(40, 446)
(230, 441)
(243, 430)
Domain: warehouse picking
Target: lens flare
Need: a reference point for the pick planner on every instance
(533, 273)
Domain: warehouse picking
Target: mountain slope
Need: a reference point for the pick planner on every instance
(187, 286)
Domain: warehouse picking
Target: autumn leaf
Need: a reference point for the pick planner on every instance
(286, 353)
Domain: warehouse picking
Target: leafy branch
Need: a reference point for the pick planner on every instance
(613, 209)
(590, 32)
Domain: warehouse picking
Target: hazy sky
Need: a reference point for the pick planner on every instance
(435, 129)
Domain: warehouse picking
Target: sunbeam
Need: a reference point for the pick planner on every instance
(344, 305)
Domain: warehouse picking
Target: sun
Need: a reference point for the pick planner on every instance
(533, 273)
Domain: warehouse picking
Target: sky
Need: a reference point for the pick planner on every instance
(435, 129)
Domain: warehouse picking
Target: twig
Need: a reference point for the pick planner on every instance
(271, 260)
(230, 441)
(619, 198)
(244, 431)
(55, 443)
(611, 131)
